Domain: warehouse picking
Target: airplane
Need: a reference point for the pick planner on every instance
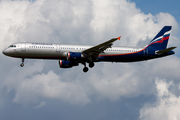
(72, 55)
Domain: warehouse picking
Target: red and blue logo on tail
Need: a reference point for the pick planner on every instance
(160, 41)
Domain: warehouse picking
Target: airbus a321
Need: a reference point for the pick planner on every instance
(72, 55)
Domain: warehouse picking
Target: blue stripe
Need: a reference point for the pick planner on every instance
(163, 30)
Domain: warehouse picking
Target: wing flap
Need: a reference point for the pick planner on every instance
(96, 50)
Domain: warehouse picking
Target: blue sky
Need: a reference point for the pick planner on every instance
(128, 91)
(156, 6)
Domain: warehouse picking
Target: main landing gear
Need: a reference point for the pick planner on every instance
(22, 64)
(91, 64)
(85, 69)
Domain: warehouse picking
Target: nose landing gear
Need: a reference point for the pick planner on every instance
(22, 64)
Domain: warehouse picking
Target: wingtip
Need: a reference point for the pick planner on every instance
(119, 37)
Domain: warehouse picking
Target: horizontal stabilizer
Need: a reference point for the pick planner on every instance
(164, 51)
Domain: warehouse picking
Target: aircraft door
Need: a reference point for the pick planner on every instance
(57, 48)
(23, 46)
(146, 52)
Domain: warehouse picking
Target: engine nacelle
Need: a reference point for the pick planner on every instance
(74, 56)
(66, 64)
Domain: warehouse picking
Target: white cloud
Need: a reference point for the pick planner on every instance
(105, 81)
(166, 106)
(10, 20)
(29, 86)
(40, 105)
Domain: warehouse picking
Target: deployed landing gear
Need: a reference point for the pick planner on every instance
(22, 64)
(91, 64)
(85, 69)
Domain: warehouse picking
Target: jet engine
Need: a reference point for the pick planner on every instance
(66, 64)
(74, 56)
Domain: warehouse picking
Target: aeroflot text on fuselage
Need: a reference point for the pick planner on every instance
(71, 55)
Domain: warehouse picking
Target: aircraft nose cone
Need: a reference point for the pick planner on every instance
(5, 51)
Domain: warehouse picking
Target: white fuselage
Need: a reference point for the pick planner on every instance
(57, 51)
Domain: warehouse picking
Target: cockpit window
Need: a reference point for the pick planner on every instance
(12, 46)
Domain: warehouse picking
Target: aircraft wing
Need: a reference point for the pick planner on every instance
(93, 52)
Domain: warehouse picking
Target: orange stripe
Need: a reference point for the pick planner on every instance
(69, 55)
(60, 63)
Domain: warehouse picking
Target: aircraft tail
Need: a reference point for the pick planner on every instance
(160, 41)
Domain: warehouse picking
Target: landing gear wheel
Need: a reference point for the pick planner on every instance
(21, 64)
(91, 64)
(85, 69)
